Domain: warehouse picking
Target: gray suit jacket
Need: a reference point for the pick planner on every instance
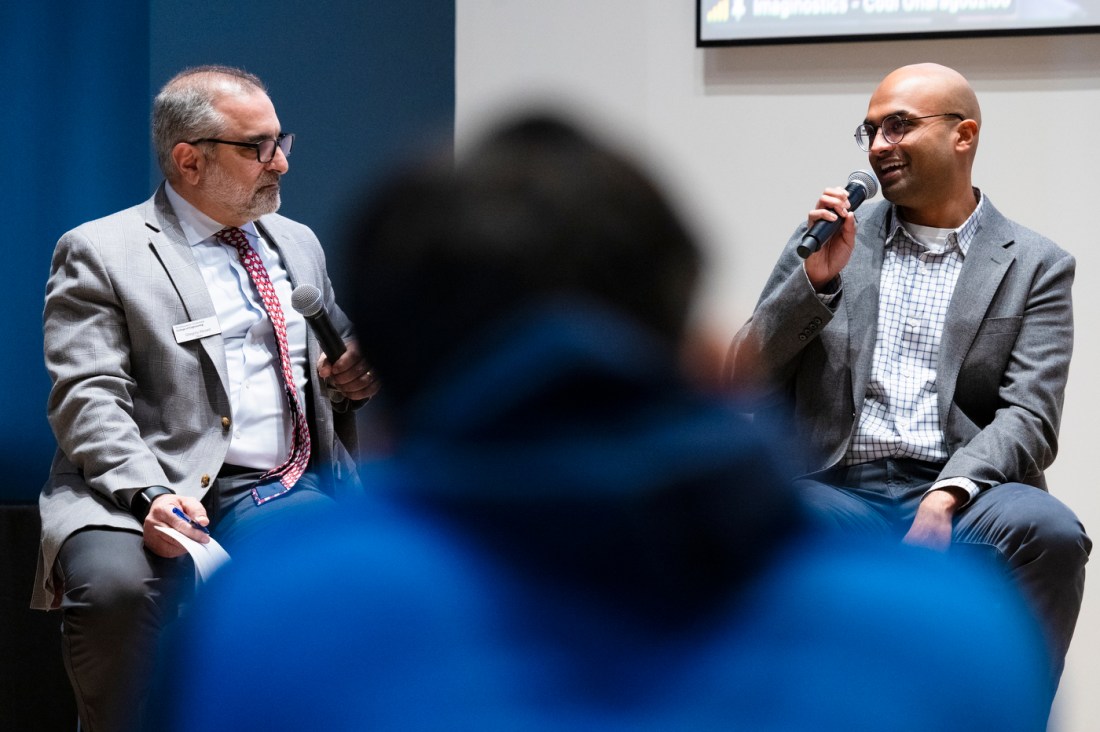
(130, 407)
(1003, 362)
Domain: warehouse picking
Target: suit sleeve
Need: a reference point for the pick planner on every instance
(88, 355)
(765, 352)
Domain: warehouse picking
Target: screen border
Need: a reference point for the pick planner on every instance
(1044, 30)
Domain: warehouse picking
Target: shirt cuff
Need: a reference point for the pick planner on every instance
(972, 489)
(829, 293)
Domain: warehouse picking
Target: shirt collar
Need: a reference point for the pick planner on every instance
(197, 227)
(964, 235)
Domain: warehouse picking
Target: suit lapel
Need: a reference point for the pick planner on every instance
(174, 253)
(861, 290)
(987, 262)
(291, 256)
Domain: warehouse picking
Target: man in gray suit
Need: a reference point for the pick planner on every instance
(183, 381)
(924, 353)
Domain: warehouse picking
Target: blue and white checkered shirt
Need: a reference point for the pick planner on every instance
(900, 417)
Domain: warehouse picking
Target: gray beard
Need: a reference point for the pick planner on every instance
(264, 202)
(248, 206)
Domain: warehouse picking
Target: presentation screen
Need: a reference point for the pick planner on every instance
(737, 22)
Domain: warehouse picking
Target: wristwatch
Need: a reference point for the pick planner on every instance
(143, 500)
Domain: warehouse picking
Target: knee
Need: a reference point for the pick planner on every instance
(108, 570)
(1053, 530)
(114, 587)
(1068, 542)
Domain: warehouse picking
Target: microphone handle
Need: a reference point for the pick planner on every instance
(823, 230)
(331, 342)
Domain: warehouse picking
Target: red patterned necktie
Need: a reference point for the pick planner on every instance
(290, 471)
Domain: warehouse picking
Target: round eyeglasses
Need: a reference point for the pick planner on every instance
(265, 149)
(893, 129)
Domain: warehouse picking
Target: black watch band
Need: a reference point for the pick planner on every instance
(143, 501)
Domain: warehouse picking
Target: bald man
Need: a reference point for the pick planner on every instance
(924, 351)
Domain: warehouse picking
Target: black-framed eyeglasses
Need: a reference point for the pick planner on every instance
(893, 129)
(265, 149)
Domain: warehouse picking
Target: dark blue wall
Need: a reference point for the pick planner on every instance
(360, 83)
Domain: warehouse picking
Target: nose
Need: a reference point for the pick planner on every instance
(879, 142)
(279, 163)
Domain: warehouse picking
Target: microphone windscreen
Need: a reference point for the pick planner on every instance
(866, 179)
(306, 299)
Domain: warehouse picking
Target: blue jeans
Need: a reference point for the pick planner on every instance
(1041, 542)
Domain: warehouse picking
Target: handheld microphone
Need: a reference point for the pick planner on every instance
(861, 186)
(307, 300)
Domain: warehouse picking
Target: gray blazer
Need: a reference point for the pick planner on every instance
(130, 407)
(1003, 363)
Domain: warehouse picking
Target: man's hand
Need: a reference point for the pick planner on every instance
(350, 375)
(160, 514)
(932, 525)
(825, 264)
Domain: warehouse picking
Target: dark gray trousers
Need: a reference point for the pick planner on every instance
(118, 597)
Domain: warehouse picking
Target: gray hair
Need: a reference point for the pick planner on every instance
(184, 109)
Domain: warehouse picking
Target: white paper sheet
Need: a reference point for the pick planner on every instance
(208, 557)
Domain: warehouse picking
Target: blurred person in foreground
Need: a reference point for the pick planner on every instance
(924, 350)
(569, 535)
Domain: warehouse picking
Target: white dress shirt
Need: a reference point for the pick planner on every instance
(262, 425)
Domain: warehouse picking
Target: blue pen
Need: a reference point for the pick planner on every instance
(176, 510)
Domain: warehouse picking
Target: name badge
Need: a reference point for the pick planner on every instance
(185, 332)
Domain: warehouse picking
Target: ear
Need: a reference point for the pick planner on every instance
(190, 162)
(966, 135)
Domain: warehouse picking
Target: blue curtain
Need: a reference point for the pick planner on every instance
(75, 146)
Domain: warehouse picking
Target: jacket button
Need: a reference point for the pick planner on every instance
(205, 481)
(226, 422)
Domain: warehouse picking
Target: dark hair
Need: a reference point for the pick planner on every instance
(537, 210)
